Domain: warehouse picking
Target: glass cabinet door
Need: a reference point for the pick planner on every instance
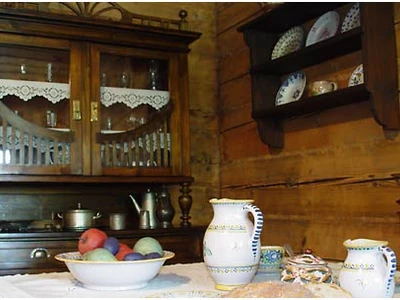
(135, 108)
(35, 132)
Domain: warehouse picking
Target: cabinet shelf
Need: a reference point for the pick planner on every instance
(336, 46)
(374, 39)
(346, 96)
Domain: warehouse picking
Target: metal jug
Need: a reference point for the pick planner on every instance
(149, 203)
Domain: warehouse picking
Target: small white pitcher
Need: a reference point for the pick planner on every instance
(365, 272)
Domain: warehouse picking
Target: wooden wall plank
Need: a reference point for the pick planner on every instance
(336, 178)
(347, 163)
(232, 15)
(235, 103)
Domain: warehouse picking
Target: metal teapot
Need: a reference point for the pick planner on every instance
(149, 203)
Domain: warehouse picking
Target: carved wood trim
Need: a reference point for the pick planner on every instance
(99, 10)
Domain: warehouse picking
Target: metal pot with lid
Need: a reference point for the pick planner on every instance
(78, 219)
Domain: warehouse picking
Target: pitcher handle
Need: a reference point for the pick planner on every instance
(258, 225)
(391, 267)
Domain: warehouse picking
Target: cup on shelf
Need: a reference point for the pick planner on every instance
(322, 87)
(117, 221)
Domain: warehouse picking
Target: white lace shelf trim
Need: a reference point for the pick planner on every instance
(133, 97)
(26, 90)
(55, 92)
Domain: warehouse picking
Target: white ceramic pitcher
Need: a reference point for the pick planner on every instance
(231, 242)
(365, 272)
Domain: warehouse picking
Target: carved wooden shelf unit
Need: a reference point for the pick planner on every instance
(374, 38)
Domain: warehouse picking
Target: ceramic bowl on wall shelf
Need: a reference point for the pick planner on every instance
(357, 77)
(352, 18)
(325, 27)
(291, 41)
(292, 88)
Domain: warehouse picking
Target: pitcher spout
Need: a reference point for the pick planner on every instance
(137, 207)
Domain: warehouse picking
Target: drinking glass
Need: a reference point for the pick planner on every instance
(125, 79)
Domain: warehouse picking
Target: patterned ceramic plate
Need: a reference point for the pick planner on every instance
(325, 27)
(190, 294)
(357, 77)
(291, 89)
(352, 19)
(292, 40)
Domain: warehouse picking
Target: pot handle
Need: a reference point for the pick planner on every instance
(97, 216)
(59, 215)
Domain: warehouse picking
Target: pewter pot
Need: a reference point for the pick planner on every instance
(78, 219)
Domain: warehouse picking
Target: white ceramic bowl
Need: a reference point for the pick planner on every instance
(113, 275)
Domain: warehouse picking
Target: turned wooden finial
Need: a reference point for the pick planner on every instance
(183, 23)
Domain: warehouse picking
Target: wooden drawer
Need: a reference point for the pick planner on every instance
(33, 257)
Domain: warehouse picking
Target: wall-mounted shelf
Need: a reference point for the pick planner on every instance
(378, 56)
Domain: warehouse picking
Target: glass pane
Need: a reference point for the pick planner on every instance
(34, 81)
(134, 98)
(34, 93)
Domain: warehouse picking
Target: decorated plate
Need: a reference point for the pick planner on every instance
(357, 77)
(352, 18)
(325, 27)
(291, 89)
(189, 294)
(292, 40)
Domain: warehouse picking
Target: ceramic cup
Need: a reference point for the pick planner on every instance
(322, 87)
(271, 258)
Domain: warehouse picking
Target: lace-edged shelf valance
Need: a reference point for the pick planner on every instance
(26, 90)
(133, 97)
(55, 92)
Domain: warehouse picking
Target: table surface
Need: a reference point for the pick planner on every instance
(188, 279)
(179, 280)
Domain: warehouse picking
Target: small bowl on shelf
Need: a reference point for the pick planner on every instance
(113, 275)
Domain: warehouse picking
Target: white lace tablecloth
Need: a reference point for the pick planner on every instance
(184, 278)
(172, 278)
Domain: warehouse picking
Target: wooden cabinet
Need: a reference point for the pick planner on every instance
(22, 253)
(95, 100)
(371, 44)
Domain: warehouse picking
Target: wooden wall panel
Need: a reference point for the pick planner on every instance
(336, 178)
